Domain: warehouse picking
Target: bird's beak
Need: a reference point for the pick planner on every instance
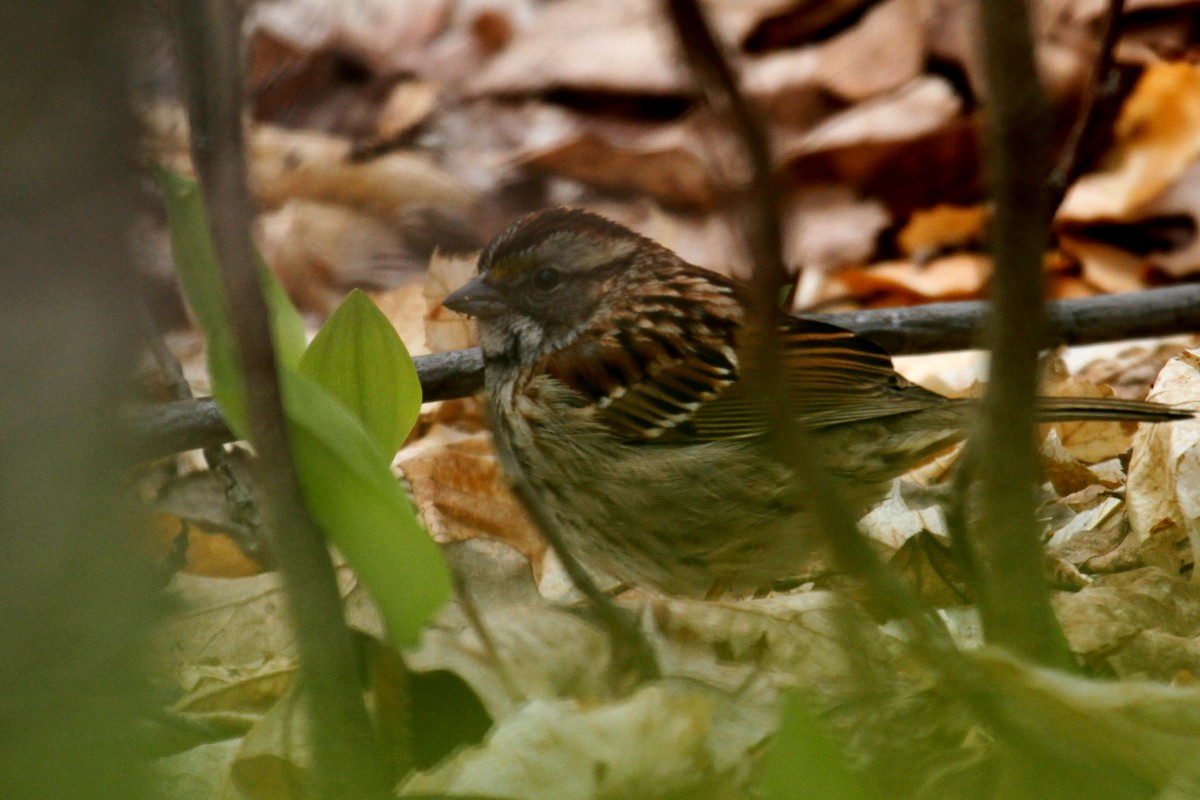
(476, 299)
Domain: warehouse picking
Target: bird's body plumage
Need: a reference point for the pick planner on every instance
(616, 379)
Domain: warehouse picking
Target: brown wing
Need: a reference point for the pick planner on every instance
(676, 379)
(834, 377)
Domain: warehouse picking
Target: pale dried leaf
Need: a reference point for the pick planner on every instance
(892, 522)
(1103, 619)
(675, 736)
(200, 773)
(798, 638)
(918, 108)
(287, 164)
(571, 45)
(1164, 471)
(540, 650)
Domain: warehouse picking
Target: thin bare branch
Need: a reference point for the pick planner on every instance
(169, 428)
(345, 751)
(1084, 142)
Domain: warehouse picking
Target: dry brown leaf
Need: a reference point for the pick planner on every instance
(445, 329)
(1106, 267)
(882, 52)
(918, 108)
(405, 308)
(828, 227)
(1130, 369)
(930, 231)
(461, 492)
(1089, 441)
(1157, 139)
(911, 148)
(1066, 473)
(667, 161)
(319, 249)
(407, 105)
(959, 275)
(1164, 471)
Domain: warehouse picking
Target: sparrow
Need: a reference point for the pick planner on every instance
(616, 380)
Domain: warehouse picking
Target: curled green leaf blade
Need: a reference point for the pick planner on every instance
(359, 358)
(353, 496)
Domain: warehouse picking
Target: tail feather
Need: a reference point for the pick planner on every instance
(1059, 409)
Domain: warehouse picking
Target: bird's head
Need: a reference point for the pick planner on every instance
(546, 278)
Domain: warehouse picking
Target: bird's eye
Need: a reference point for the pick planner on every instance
(546, 278)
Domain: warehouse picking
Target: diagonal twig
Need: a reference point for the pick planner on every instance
(345, 751)
(1086, 135)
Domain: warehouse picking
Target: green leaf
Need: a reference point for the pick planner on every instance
(200, 275)
(803, 763)
(287, 327)
(345, 474)
(353, 495)
(359, 358)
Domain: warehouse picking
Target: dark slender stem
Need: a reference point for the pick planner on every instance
(345, 754)
(853, 553)
(1081, 145)
(1013, 598)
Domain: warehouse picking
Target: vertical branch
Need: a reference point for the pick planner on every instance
(1013, 597)
(345, 751)
(789, 441)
